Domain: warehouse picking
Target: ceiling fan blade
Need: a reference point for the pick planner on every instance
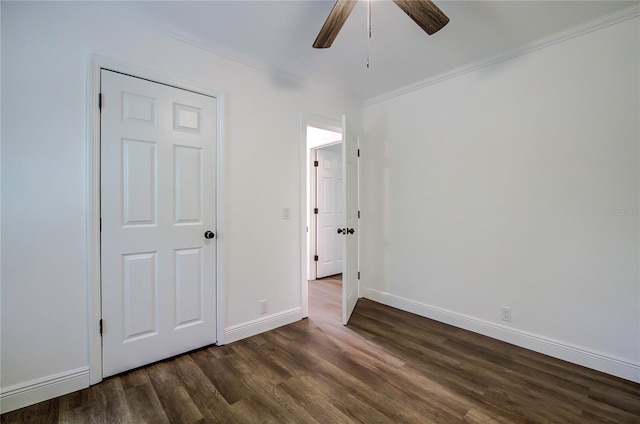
(426, 14)
(334, 23)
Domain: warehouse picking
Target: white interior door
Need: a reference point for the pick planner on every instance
(350, 165)
(330, 216)
(158, 156)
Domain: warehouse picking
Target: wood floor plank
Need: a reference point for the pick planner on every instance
(620, 400)
(108, 404)
(220, 373)
(208, 400)
(73, 407)
(174, 398)
(386, 366)
(43, 413)
(310, 396)
(135, 378)
(144, 404)
(289, 355)
(601, 413)
(476, 416)
(390, 401)
(276, 402)
(251, 358)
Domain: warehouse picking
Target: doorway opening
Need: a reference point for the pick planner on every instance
(327, 211)
(325, 205)
(348, 234)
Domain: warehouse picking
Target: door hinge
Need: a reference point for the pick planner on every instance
(100, 224)
(358, 152)
(100, 323)
(315, 258)
(358, 214)
(315, 211)
(315, 163)
(358, 275)
(100, 101)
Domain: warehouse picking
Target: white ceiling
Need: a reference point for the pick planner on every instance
(322, 137)
(276, 36)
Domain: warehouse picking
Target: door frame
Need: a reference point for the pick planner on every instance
(95, 64)
(306, 255)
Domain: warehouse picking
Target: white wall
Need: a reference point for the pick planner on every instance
(515, 185)
(45, 47)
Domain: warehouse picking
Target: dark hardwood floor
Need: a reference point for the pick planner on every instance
(386, 366)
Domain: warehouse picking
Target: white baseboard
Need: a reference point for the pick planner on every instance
(34, 391)
(260, 325)
(557, 349)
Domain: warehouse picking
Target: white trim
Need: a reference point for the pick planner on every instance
(576, 31)
(41, 389)
(94, 309)
(360, 135)
(576, 354)
(95, 64)
(304, 228)
(261, 325)
(220, 219)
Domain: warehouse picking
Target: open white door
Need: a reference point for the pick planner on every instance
(158, 214)
(330, 208)
(350, 166)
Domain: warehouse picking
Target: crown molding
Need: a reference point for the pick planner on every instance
(276, 74)
(576, 31)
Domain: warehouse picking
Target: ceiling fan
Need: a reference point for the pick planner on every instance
(423, 12)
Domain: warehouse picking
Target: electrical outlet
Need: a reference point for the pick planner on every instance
(264, 306)
(506, 314)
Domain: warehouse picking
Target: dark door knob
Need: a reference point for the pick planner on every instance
(350, 231)
(342, 231)
(209, 234)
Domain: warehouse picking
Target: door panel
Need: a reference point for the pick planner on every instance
(350, 164)
(188, 184)
(189, 286)
(139, 182)
(158, 184)
(140, 285)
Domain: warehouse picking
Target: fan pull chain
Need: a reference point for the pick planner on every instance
(368, 31)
